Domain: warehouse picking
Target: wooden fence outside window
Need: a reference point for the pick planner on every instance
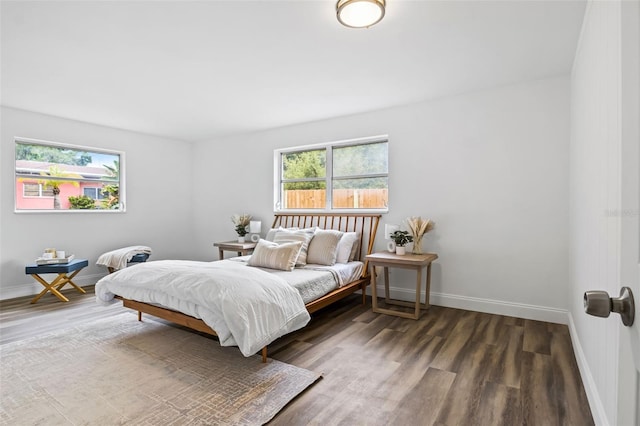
(342, 198)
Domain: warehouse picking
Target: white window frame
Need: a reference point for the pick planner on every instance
(328, 146)
(121, 183)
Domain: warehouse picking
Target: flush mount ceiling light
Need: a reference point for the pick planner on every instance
(360, 13)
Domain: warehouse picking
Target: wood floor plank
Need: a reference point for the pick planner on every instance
(463, 399)
(539, 397)
(507, 360)
(456, 348)
(571, 396)
(514, 321)
(537, 337)
(499, 405)
(424, 400)
(303, 409)
(413, 366)
(441, 321)
(292, 350)
(488, 328)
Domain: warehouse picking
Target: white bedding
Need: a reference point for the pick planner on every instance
(247, 307)
(314, 281)
(117, 259)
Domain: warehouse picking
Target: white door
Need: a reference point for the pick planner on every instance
(629, 342)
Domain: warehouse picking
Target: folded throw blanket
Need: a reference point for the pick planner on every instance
(118, 259)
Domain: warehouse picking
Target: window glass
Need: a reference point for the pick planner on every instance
(56, 177)
(360, 176)
(364, 159)
(93, 193)
(36, 190)
(349, 175)
(303, 179)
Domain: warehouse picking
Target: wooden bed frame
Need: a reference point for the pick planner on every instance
(366, 225)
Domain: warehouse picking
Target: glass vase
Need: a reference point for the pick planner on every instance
(417, 244)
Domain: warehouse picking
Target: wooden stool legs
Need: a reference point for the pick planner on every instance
(56, 285)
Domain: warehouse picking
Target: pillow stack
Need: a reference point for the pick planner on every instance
(314, 246)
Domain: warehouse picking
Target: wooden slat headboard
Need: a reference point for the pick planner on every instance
(366, 225)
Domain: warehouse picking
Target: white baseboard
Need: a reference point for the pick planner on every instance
(33, 288)
(490, 306)
(595, 402)
(510, 309)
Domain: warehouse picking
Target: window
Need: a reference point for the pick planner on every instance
(348, 175)
(50, 176)
(36, 190)
(93, 193)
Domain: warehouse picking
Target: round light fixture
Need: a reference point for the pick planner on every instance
(360, 13)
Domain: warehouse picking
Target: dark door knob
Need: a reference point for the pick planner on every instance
(599, 304)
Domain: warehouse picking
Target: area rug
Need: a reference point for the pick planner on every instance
(121, 371)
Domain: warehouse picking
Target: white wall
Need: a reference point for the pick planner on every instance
(594, 183)
(159, 196)
(489, 167)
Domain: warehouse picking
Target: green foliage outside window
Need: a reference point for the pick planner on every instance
(111, 191)
(357, 160)
(51, 154)
(305, 165)
(82, 202)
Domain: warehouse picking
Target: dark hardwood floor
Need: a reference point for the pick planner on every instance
(451, 367)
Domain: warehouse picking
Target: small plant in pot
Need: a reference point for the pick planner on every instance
(401, 238)
(242, 231)
(241, 222)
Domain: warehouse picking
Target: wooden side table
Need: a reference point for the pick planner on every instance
(62, 269)
(416, 262)
(242, 249)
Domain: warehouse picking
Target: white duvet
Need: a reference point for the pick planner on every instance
(247, 307)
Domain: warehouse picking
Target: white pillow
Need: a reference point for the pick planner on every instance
(354, 248)
(323, 247)
(275, 256)
(345, 245)
(272, 232)
(303, 236)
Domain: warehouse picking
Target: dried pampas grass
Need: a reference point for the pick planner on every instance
(419, 226)
(241, 219)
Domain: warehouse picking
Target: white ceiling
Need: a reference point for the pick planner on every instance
(197, 70)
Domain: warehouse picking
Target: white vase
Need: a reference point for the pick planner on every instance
(241, 239)
(391, 246)
(401, 251)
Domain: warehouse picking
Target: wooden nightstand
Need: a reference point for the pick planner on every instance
(409, 261)
(242, 249)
